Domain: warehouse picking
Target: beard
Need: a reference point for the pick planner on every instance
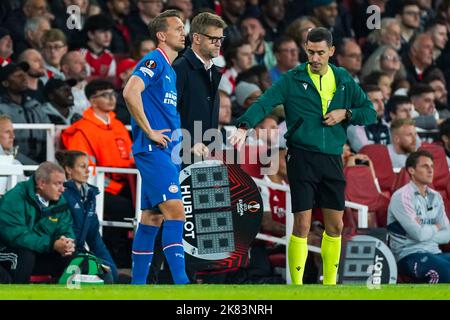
(440, 105)
(36, 73)
(407, 149)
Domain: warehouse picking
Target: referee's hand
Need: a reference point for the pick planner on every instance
(238, 137)
(199, 149)
(159, 137)
(334, 117)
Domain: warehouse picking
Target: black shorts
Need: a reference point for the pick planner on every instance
(316, 180)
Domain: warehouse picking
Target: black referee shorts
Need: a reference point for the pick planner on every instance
(316, 180)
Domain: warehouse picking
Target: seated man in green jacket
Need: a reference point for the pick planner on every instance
(36, 235)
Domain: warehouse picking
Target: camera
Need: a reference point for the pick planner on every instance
(362, 162)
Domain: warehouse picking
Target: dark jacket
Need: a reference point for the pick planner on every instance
(85, 221)
(15, 22)
(24, 223)
(32, 143)
(198, 99)
(303, 109)
(120, 38)
(136, 26)
(411, 74)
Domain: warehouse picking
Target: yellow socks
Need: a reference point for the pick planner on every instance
(297, 254)
(331, 251)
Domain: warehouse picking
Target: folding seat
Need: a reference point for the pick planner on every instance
(250, 159)
(382, 163)
(441, 172)
(361, 189)
(401, 179)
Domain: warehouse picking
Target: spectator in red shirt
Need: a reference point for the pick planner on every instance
(98, 30)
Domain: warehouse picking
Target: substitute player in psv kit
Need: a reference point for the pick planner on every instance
(151, 97)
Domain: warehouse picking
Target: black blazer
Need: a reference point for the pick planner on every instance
(198, 99)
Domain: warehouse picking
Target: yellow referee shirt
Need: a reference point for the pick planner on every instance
(326, 85)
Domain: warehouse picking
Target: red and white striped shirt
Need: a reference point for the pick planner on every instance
(103, 65)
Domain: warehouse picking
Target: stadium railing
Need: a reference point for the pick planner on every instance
(52, 142)
(98, 179)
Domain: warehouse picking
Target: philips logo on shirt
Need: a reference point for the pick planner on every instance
(170, 98)
(146, 71)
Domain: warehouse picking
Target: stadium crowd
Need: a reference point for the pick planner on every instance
(70, 67)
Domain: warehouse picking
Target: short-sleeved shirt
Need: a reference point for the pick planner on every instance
(159, 99)
(326, 85)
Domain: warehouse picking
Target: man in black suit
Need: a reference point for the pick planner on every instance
(198, 79)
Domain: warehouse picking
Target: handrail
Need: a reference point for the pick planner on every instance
(99, 178)
(362, 209)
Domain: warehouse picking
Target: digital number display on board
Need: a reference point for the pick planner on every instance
(223, 210)
(367, 260)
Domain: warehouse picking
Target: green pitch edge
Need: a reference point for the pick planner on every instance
(225, 292)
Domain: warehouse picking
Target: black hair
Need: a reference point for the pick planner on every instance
(408, 3)
(444, 128)
(320, 34)
(280, 41)
(370, 88)
(374, 78)
(67, 158)
(250, 74)
(98, 22)
(341, 44)
(232, 51)
(419, 88)
(97, 85)
(413, 158)
(395, 101)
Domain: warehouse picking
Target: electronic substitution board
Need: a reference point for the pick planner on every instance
(223, 210)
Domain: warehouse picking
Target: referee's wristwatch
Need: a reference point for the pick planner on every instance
(348, 115)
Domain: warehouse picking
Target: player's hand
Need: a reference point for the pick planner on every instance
(334, 117)
(199, 149)
(159, 137)
(238, 137)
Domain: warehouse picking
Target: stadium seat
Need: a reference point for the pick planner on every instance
(250, 159)
(361, 189)
(41, 279)
(278, 260)
(402, 278)
(382, 163)
(401, 179)
(441, 172)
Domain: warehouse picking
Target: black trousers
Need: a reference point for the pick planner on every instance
(22, 263)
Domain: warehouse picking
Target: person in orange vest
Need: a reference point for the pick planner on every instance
(107, 143)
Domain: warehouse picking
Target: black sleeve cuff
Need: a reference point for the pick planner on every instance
(242, 126)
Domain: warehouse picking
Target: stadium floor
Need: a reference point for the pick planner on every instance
(225, 292)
